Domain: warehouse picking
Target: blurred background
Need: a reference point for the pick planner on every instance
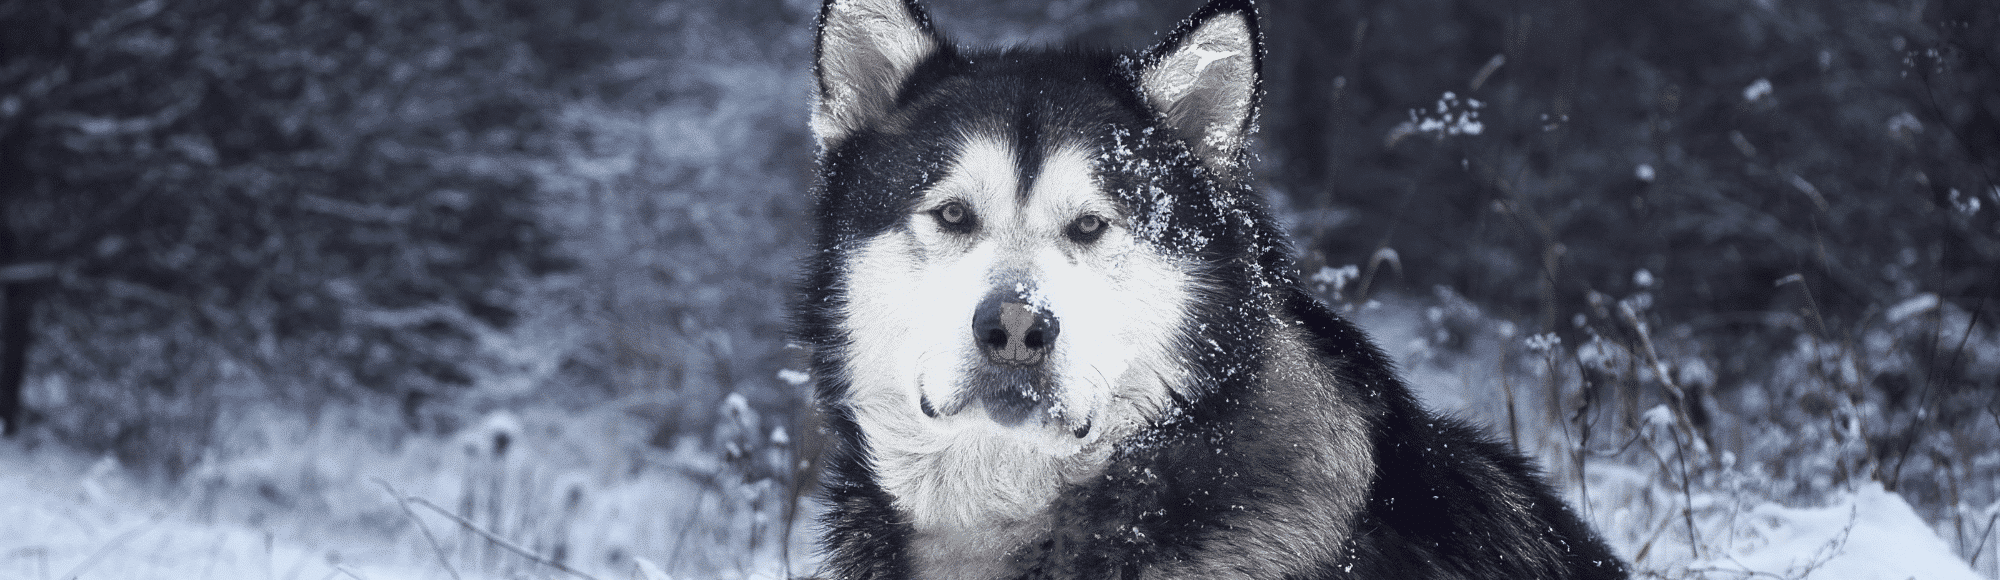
(432, 288)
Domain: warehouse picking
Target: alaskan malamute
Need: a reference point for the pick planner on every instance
(1056, 335)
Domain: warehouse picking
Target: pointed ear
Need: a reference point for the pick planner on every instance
(1203, 81)
(865, 50)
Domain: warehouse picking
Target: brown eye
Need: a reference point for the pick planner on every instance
(954, 216)
(1087, 228)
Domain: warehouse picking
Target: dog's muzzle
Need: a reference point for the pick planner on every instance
(1016, 338)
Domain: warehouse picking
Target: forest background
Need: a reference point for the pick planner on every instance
(404, 278)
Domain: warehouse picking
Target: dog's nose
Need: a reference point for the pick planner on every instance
(1012, 331)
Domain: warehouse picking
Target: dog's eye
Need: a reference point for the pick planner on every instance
(954, 216)
(1087, 228)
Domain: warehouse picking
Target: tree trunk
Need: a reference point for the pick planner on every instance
(17, 304)
(14, 335)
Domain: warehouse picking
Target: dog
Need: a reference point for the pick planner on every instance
(1056, 334)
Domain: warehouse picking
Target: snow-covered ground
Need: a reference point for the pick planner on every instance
(1866, 534)
(316, 503)
(311, 502)
(1863, 533)
(67, 516)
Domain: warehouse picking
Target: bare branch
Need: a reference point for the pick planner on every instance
(403, 501)
(122, 538)
(499, 541)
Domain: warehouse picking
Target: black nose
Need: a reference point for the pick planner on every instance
(1013, 332)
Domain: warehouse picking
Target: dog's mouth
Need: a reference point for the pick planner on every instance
(1012, 397)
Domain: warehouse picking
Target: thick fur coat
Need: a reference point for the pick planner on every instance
(1056, 335)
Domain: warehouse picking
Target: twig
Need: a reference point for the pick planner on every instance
(343, 569)
(1812, 306)
(402, 500)
(1555, 392)
(1930, 384)
(1682, 399)
(1646, 548)
(1687, 493)
(104, 550)
(1979, 547)
(1619, 449)
(710, 481)
(648, 570)
(1581, 454)
(1745, 571)
(1513, 422)
(499, 541)
(1832, 549)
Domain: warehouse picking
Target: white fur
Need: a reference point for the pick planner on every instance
(972, 487)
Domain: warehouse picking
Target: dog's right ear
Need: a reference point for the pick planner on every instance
(865, 50)
(1203, 81)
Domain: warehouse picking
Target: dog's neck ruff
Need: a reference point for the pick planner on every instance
(975, 490)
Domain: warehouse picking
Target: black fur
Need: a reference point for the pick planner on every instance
(1439, 505)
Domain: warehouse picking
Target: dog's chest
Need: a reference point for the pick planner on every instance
(972, 503)
(973, 553)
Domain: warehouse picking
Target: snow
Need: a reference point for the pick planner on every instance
(1913, 306)
(72, 521)
(1862, 532)
(1643, 278)
(1453, 117)
(552, 485)
(794, 377)
(1905, 124)
(1545, 342)
(1757, 90)
(1866, 534)
(1965, 204)
(1334, 280)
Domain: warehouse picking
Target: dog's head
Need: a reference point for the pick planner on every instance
(1017, 247)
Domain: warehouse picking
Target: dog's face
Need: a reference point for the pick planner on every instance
(1014, 243)
(1013, 307)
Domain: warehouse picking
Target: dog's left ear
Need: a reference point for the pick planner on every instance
(1203, 81)
(865, 51)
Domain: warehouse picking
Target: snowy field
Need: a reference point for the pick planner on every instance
(325, 510)
(317, 504)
